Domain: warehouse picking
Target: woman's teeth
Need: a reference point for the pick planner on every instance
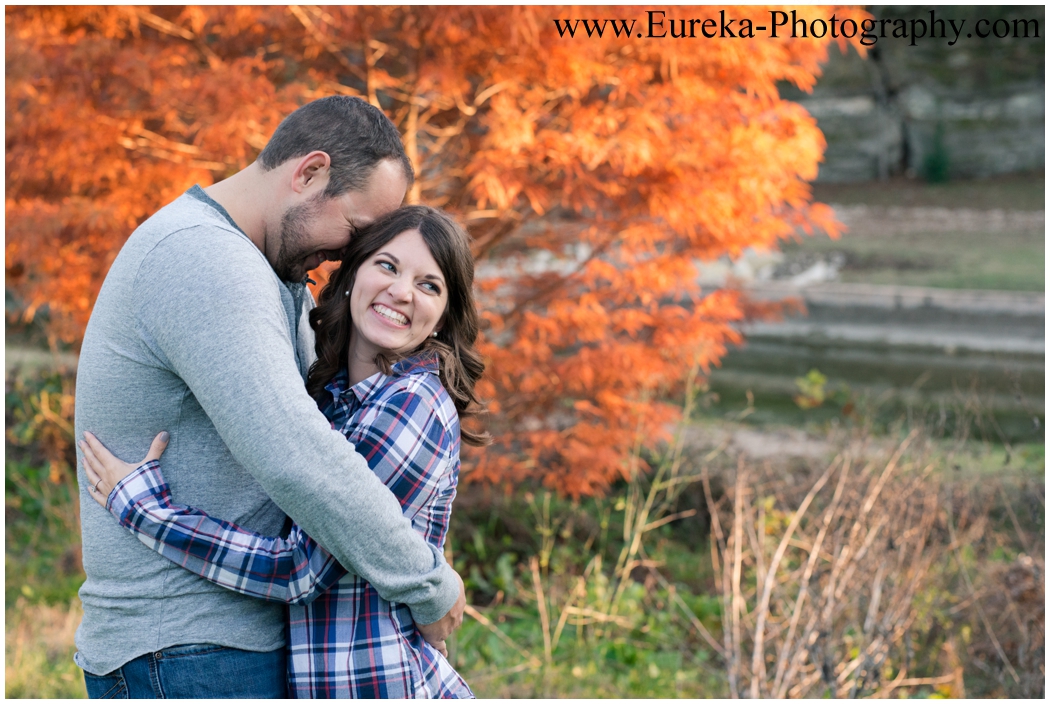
(391, 315)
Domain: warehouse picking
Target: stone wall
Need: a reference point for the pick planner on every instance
(972, 110)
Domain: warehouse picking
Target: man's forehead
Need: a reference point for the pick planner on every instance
(385, 189)
(362, 211)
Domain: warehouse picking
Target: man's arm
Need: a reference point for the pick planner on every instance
(212, 312)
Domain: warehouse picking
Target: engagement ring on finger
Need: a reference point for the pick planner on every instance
(96, 485)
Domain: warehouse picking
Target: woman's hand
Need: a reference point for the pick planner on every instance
(105, 470)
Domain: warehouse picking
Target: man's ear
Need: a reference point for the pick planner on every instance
(311, 171)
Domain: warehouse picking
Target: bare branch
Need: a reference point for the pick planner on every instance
(767, 588)
(324, 42)
(162, 25)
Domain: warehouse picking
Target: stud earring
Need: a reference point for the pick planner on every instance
(346, 293)
(434, 334)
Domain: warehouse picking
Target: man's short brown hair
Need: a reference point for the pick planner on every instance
(355, 135)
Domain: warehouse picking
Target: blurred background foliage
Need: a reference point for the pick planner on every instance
(927, 579)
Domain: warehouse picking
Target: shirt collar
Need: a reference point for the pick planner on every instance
(421, 363)
(200, 194)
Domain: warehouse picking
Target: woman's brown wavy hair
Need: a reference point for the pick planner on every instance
(459, 361)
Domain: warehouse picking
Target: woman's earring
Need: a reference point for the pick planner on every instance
(434, 334)
(346, 293)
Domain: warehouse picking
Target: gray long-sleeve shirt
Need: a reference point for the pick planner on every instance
(193, 333)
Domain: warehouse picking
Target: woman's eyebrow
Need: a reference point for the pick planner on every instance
(434, 277)
(388, 254)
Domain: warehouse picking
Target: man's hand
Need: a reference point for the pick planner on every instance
(436, 633)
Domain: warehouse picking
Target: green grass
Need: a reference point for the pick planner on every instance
(767, 401)
(1005, 261)
(39, 650)
(42, 576)
(655, 655)
(658, 659)
(1008, 259)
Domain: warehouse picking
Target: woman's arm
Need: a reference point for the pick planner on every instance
(409, 437)
(292, 570)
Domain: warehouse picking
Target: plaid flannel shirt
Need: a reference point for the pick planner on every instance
(344, 639)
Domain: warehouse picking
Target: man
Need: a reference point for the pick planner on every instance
(199, 329)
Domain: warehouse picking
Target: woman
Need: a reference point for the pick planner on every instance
(396, 369)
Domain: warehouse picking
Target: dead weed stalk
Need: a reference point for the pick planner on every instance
(826, 608)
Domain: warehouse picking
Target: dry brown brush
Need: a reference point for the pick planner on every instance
(844, 591)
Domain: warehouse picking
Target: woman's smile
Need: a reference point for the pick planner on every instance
(390, 315)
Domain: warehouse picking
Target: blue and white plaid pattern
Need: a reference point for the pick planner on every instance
(345, 640)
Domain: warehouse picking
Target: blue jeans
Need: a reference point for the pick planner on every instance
(195, 672)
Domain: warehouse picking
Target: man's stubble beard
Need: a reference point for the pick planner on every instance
(290, 264)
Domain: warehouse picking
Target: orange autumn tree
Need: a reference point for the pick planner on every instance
(593, 173)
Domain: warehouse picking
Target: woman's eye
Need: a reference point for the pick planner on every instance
(388, 266)
(433, 288)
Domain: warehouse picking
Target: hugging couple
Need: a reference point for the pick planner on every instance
(288, 543)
